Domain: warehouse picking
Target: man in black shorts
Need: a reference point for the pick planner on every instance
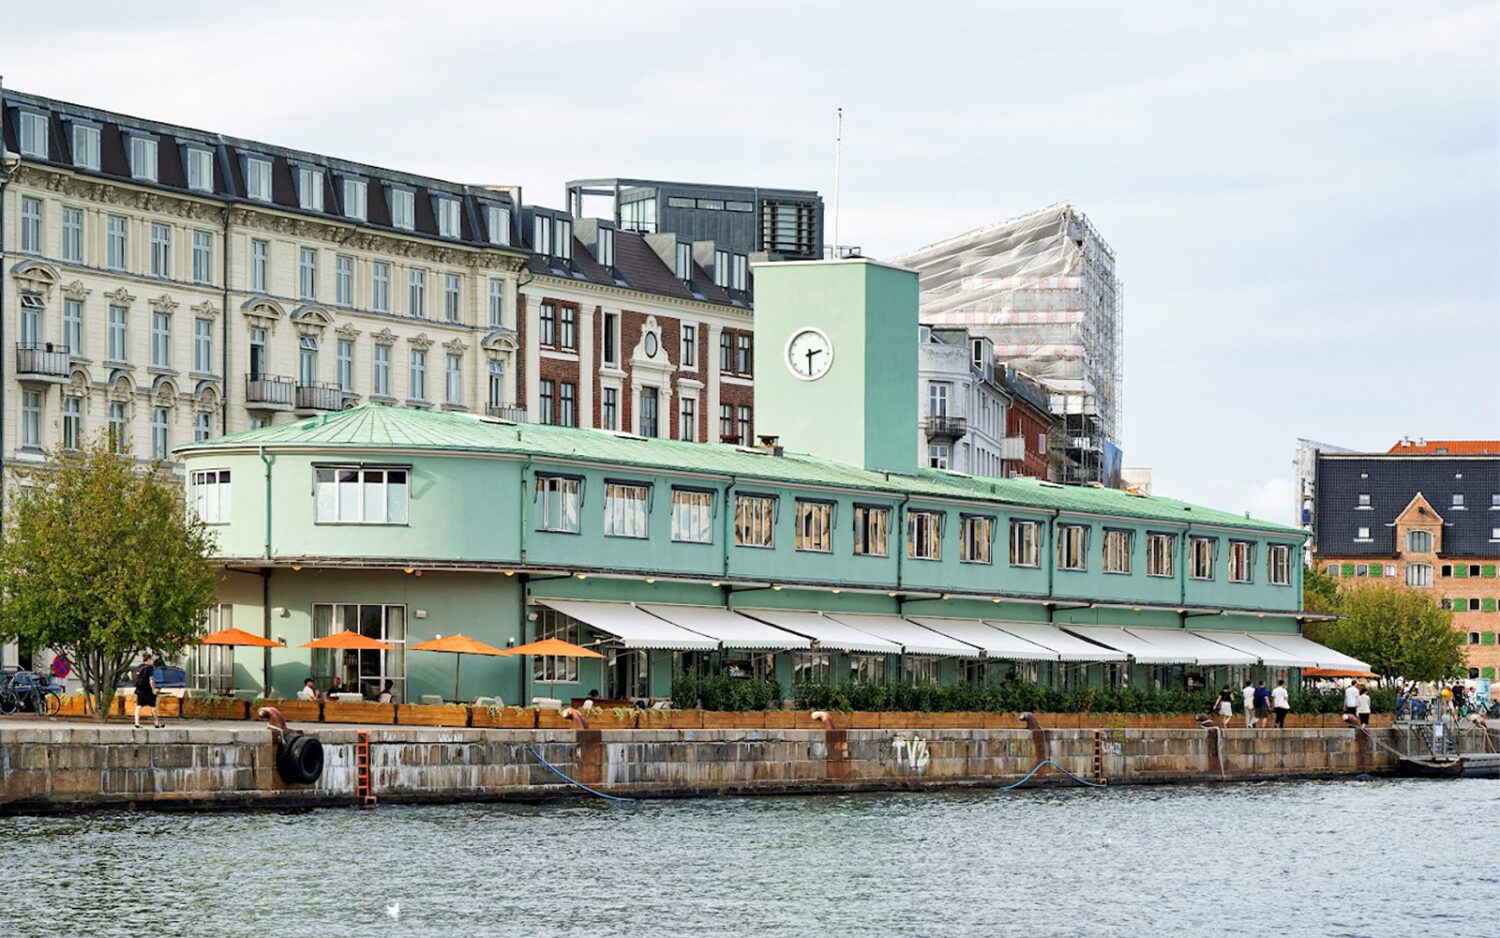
(145, 691)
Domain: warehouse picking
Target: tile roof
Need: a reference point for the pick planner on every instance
(1391, 484)
(1447, 447)
(383, 426)
(637, 267)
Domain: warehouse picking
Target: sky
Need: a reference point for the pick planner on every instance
(1304, 198)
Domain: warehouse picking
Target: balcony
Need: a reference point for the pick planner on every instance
(946, 428)
(319, 398)
(42, 363)
(265, 392)
(515, 413)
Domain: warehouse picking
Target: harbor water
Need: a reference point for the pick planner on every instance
(1369, 857)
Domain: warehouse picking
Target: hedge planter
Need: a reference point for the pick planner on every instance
(214, 708)
(338, 711)
(432, 715)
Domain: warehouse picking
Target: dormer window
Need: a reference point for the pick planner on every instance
(564, 232)
(1419, 542)
(497, 223)
(258, 178)
(403, 209)
(541, 234)
(1458, 500)
(721, 269)
(684, 262)
(356, 198)
(446, 210)
(1364, 500)
(310, 188)
(200, 168)
(741, 278)
(606, 248)
(33, 134)
(86, 146)
(143, 158)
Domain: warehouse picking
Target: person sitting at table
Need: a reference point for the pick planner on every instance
(387, 693)
(308, 691)
(337, 687)
(588, 702)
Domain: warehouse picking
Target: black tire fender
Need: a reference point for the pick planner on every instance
(299, 761)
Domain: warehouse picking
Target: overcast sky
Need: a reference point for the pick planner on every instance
(1304, 197)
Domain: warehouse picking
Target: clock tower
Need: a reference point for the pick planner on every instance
(836, 360)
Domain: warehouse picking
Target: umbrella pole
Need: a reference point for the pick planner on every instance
(458, 661)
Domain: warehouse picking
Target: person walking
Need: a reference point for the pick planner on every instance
(1362, 705)
(1351, 699)
(1248, 694)
(1226, 706)
(1262, 702)
(1281, 702)
(145, 691)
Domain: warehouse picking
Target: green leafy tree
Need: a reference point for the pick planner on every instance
(101, 562)
(1399, 631)
(1320, 592)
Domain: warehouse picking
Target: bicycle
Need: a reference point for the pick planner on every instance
(26, 691)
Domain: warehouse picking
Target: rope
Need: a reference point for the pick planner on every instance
(559, 773)
(1038, 767)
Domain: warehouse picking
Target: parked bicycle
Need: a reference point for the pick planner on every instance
(30, 692)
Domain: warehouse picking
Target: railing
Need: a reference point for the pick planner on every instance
(268, 390)
(319, 397)
(515, 413)
(42, 360)
(949, 427)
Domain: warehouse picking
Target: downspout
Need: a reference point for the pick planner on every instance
(900, 542)
(728, 523)
(265, 574)
(224, 331)
(1051, 553)
(525, 578)
(4, 181)
(267, 461)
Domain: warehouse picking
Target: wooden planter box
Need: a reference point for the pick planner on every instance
(215, 708)
(549, 719)
(293, 711)
(506, 718)
(432, 715)
(612, 718)
(124, 706)
(76, 705)
(339, 711)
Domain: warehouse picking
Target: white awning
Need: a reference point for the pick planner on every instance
(911, 636)
(1313, 654)
(730, 628)
(1138, 648)
(634, 628)
(1068, 647)
(1201, 650)
(827, 632)
(996, 644)
(1269, 655)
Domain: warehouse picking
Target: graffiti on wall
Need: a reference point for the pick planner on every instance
(910, 753)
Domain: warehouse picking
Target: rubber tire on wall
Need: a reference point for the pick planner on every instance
(300, 760)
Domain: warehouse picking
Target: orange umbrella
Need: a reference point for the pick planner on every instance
(233, 637)
(554, 647)
(348, 640)
(1336, 672)
(458, 646)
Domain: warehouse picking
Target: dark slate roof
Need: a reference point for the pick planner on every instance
(637, 267)
(1392, 482)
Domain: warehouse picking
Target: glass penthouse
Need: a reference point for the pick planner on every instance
(761, 561)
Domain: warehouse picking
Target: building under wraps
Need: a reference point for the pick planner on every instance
(1042, 288)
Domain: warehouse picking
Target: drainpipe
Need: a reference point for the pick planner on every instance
(5, 177)
(525, 584)
(224, 332)
(267, 461)
(728, 525)
(525, 509)
(265, 615)
(900, 541)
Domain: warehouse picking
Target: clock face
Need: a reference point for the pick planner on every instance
(809, 354)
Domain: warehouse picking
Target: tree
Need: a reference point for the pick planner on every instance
(1399, 631)
(1320, 592)
(101, 562)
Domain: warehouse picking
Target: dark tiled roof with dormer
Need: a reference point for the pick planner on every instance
(1391, 482)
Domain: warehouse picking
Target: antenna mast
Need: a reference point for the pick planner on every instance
(838, 141)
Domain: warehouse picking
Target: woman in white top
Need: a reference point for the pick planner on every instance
(1281, 703)
(1362, 705)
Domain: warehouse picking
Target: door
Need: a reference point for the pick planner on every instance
(257, 354)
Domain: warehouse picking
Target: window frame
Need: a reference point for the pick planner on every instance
(932, 520)
(1161, 544)
(1033, 549)
(627, 509)
(864, 515)
(361, 470)
(685, 511)
(966, 539)
(1279, 564)
(568, 490)
(815, 519)
(222, 501)
(1241, 561)
(765, 507)
(1066, 532)
(1114, 551)
(1193, 559)
(258, 186)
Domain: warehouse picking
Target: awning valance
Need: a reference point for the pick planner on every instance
(1138, 648)
(1309, 651)
(828, 633)
(913, 638)
(634, 627)
(1068, 647)
(1269, 655)
(1199, 650)
(731, 629)
(996, 644)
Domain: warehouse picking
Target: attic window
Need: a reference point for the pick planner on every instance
(684, 262)
(1458, 500)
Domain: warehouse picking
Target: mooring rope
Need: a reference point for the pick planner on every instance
(1038, 767)
(572, 781)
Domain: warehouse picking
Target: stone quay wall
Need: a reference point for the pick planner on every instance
(62, 766)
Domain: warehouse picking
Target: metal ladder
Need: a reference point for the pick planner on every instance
(362, 769)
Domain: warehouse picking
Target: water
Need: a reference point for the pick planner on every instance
(1351, 858)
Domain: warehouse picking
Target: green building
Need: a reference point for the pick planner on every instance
(669, 556)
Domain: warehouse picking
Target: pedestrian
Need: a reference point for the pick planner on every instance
(1249, 697)
(1362, 705)
(1351, 699)
(1226, 706)
(1281, 702)
(1262, 702)
(145, 691)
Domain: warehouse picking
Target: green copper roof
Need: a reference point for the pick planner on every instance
(383, 427)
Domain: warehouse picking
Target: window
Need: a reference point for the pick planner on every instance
(344, 356)
(1495, 502)
(726, 351)
(31, 321)
(741, 281)
(343, 280)
(416, 292)
(360, 495)
(1458, 500)
(307, 273)
(743, 363)
(924, 535)
(726, 423)
(684, 265)
(497, 303)
(567, 404)
(161, 440)
(72, 422)
(1362, 534)
(33, 134)
(453, 373)
(541, 234)
(811, 666)
(937, 398)
(553, 669)
(1241, 561)
(497, 224)
(1117, 546)
(754, 520)
(211, 495)
(260, 262)
(693, 516)
(1279, 565)
(1025, 548)
(689, 346)
(610, 409)
(200, 169)
(920, 669)
(212, 666)
(1419, 574)
(1159, 554)
(72, 234)
(867, 669)
(611, 338)
(403, 209)
(380, 287)
(606, 248)
(872, 525)
(497, 383)
(721, 269)
(382, 369)
(31, 418)
(567, 328)
(86, 147)
(976, 533)
(557, 503)
(1364, 500)
(307, 360)
(814, 526)
(625, 509)
(161, 340)
(446, 210)
(31, 225)
(117, 336)
(356, 198)
(742, 420)
(1072, 546)
(1201, 557)
(161, 250)
(650, 418)
(939, 455)
(203, 257)
(547, 325)
(546, 398)
(114, 238)
(203, 346)
(310, 188)
(369, 669)
(564, 246)
(73, 326)
(203, 426)
(452, 291)
(418, 389)
(258, 178)
(143, 158)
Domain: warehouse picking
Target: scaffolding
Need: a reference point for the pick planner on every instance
(1042, 288)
